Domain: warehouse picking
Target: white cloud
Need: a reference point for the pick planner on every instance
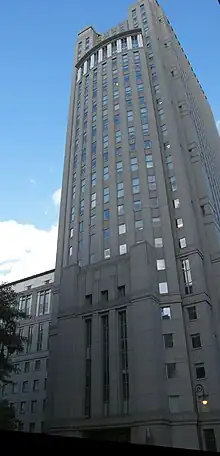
(25, 250)
(218, 125)
(57, 197)
(32, 181)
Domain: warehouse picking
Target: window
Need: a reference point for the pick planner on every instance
(135, 185)
(132, 147)
(161, 265)
(169, 162)
(29, 339)
(187, 276)
(140, 87)
(106, 379)
(163, 288)
(104, 295)
(14, 387)
(137, 205)
(106, 194)
(121, 209)
(118, 136)
(120, 190)
(81, 210)
(37, 365)
(130, 116)
(210, 441)
(83, 184)
(156, 222)
(43, 302)
(196, 341)
(139, 225)
(20, 426)
(192, 313)
(174, 404)
(45, 383)
(121, 291)
(71, 232)
(179, 223)
(119, 166)
(158, 242)
(200, 371)
(25, 304)
(73, 214)
(176, 203)
(152, 183)
(88, 299)
(92, 220)
(106, 233)
(33, 406)
(134, 164)
(22, 407)
(116, 107)
(106, 214)
(93, 179)
(106, 173)
(122, 249)
(40, 337)
(122, 229)
(25, 387)
(182, 243)
(145, 129)
(31, 427)
(123, 357)
(131, 132)
(107, 253)
(173, 184)
(70, 251)
(147, 144)
(168, 340)
(36, 385)
(26, 367)
(166, 313)
(149, 161)
(171, 370)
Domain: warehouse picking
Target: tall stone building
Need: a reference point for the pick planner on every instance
(135, 335)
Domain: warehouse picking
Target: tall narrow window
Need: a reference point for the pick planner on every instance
(123, 353)
(88, 376)
(25, 304)
(187, 276)
(105, 335)
(40, 337)
(29, 339)
(43, 302)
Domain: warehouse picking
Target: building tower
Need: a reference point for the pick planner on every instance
(136, 323)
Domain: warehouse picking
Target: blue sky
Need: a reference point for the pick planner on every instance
(36, 48)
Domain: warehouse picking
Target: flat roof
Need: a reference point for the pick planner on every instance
(32, 277)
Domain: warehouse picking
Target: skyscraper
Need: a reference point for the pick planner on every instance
(135, 331)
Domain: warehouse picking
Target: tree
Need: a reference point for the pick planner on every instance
(10, 342)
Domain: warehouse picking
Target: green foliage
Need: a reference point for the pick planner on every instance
(10, 339)
(7, 417)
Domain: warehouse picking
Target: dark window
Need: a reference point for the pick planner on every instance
(196, 341)
(40, 337)
(88, 299)
(37, 365)
(171, 370)
(104, 295)
(25, 387)
(200, 371)
(123, 354)
(121, 291)
(26, 366)
(168, 340)
(192, 313)
(210, 442)
(106, 383)
(33, 406)
(88, 367)
(31, 427)
(36, 385)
